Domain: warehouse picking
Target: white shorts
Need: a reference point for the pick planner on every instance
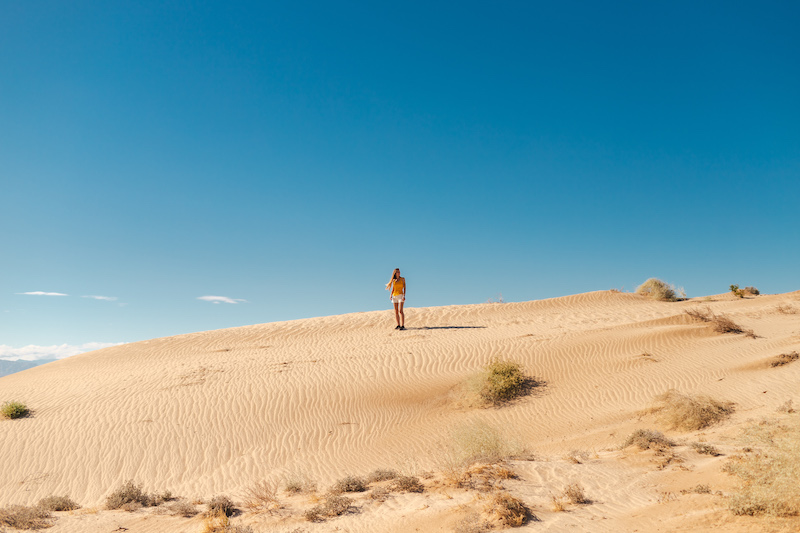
(397, 299)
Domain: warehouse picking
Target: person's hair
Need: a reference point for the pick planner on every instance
(395, 275)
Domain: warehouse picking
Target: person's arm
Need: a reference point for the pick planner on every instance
(405, 286)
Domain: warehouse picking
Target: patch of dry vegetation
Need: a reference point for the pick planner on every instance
(130, 497)
(706, 449)
(299, 484)
(784, 359)
(349, 484)
(657, 290)
(381, 475)
(786, 309)
(182, 508)
(499, 382)
(719, 323)
(23, 517)
(690, 413)
(648, 439)
(768, 472)
(475, 442)
(572, 494)
(219, 522)
(407, 484)
(508, 510)
(58, 503)
(334, 505)
(261, 497)
(220, 504)
(483, 477)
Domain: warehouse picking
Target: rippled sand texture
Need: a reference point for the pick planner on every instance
(214, 412)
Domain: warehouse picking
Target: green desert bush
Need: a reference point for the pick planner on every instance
(657, 290)
(23, 517)
(58, 503)
(14, 409)
(768, 474)
(646, 439)
(349, 484)
(499, 382)
(690, 412)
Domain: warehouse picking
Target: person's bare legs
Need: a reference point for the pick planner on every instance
(402, 317)
(397, 312)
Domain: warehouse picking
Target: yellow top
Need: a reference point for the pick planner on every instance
(399, 286)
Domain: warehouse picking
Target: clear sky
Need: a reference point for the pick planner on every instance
(288, 155)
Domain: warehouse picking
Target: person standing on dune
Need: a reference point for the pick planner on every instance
(397, 288)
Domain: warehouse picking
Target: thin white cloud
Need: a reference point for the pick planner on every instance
(220, 299)
(41, 293)
(56, 351)
(106, 298)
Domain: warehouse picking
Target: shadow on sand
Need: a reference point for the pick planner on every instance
(448, 327)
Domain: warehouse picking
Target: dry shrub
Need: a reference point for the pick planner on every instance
(575, 494)
(349, 484)
(334, 505)
(23, 517)
(706, 449)
(786, 309)
(381, 475)
(58, 503)
(690, 413)
(483, 477)
(657, 290)
(698, 489)
(220, 504)
(261, 496)
(508, 510)
(558, 504)
(646, 439)
(786, 407)
(719, 323)
(182, 508)
(475, 441)
(784, 359)
(768, 474)
(14, 409)
(752, 291)
(379, 494)
(408, 484)
(577, 457)
(129, 496)
(219, 522)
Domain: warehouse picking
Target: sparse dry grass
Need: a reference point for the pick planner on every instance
(784, 359)
(182, 508)
(577, 457)
(58, 503)
(786, 309)
(299, 484)
(690, 413)
(648, 439)
(261, 497)
(23, 517)
(219, 522)
(657, 290)
(334, 505)
(478, 441)
(719, 323)
(768, 473)
(472, 523)
(129, 496)
(13, 409)
(508, 510)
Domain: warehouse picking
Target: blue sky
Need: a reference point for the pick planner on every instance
(288, 156)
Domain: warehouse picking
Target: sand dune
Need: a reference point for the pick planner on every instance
(213, 412)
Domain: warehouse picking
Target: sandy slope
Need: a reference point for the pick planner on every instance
(216, 411)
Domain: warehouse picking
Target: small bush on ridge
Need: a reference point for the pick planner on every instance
(657, 290)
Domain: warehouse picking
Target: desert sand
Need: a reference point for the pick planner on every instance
(214, 412)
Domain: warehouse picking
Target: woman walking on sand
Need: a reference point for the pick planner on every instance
(397, 286)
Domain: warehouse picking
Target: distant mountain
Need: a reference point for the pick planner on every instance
(18, 365)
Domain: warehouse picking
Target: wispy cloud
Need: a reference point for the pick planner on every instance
(107, 298)
(57, 351)
(220, 299)
(41, 293)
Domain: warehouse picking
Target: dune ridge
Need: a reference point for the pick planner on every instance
(213, 412)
